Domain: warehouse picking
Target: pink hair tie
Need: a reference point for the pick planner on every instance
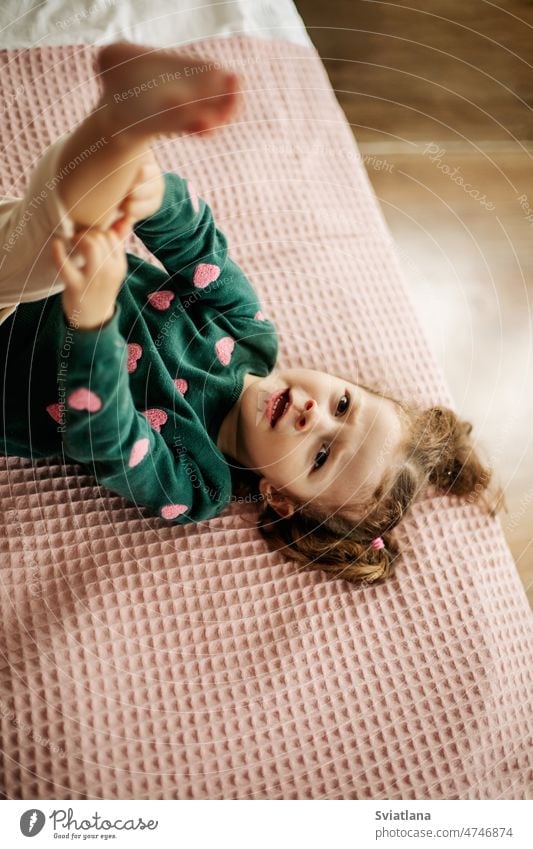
(377, 543)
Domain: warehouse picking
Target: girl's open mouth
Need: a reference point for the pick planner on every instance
(277, 405)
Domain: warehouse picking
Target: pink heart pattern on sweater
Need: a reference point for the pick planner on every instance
(224, 349)
(54, 410)
(84, 399)
(134, 353)
(161, 299)
(204, 274)
(170, 511)
(157, 418)
(181, 385)
(139, 451)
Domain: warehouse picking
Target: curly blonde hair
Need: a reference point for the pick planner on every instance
(437, 451)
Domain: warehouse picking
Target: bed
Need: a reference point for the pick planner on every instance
(141, 661)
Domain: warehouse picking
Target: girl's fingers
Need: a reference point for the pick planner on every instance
(66, 268)
(91, 248)
(123, 227)
(78, 251)
(84, 241)
(114, 242)
(144, 193)
(144, 176)
(84, 263)
(114, 239)
(58, 252)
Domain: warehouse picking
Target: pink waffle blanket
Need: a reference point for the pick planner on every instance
(146, 661)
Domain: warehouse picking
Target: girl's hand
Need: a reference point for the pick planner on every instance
(146, 194)
(90, 291)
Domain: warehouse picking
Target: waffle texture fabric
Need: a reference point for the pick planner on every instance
(142, 660)
(141, 399)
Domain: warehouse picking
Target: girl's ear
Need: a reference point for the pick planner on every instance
(281, 503)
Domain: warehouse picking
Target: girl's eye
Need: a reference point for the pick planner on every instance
(346, 405)
(323, 454)
(321, 458)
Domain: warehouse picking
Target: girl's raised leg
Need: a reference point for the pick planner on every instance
(145, 92)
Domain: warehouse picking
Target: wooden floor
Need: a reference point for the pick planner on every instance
(439, 97)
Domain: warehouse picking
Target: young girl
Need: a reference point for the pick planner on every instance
(164, 382)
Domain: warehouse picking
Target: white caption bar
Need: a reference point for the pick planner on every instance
(263, 824)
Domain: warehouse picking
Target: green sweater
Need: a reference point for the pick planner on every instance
(140, 400)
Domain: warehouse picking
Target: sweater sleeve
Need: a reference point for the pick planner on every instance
(182, 234)
(104, 430)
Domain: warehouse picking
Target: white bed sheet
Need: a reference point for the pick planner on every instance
(167, 23)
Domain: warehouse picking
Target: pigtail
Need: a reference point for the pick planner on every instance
(444, 449)
(341, 549)
(362, 562)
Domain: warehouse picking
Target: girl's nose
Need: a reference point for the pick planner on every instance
(305, 417)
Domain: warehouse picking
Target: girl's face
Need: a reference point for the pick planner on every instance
(325, 439)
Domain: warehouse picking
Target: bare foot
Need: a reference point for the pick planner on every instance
(159, 91)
